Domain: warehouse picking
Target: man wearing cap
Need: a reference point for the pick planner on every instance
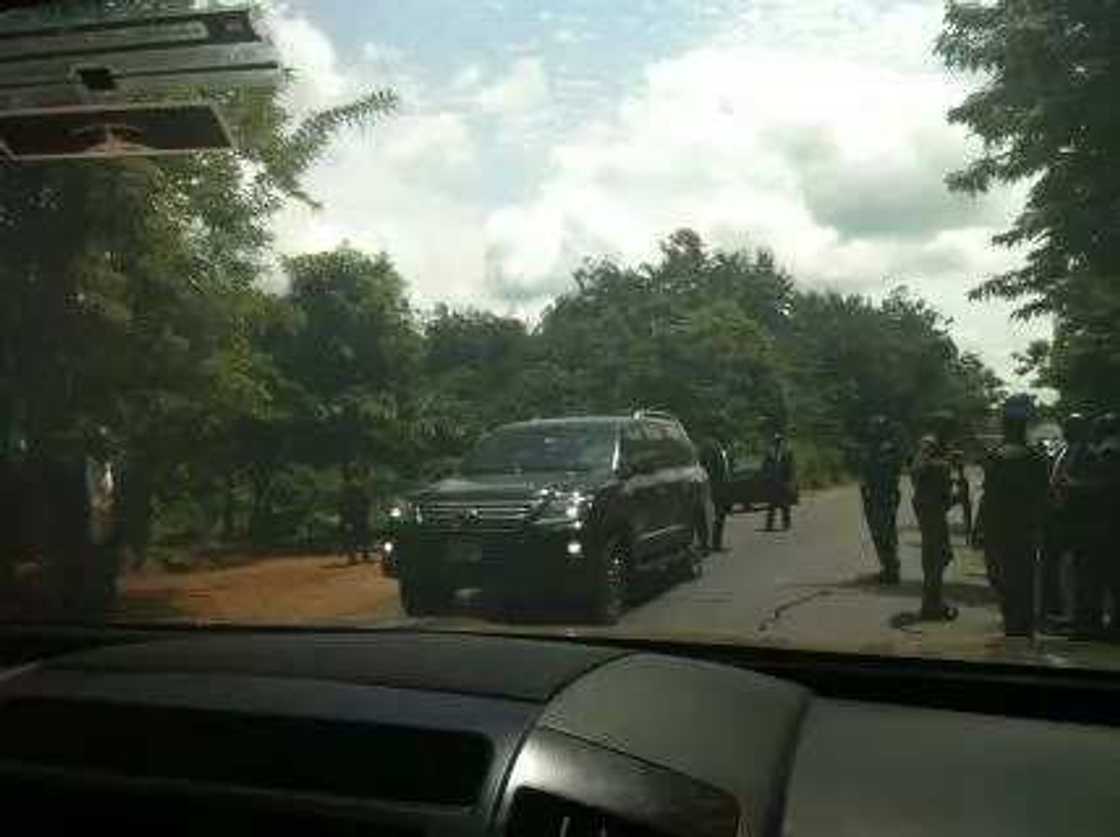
(1016, 484)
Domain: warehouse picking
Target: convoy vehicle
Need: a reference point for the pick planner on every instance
(570, 508)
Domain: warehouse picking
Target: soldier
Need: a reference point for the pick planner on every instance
(778, 475)
(880, 470)
(933, 495)
(715, 462)
(1016, 483)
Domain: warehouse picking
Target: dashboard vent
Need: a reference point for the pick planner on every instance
(539, 814)
(342, 758)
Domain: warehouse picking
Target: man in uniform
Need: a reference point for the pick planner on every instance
(879, 475)
(933, 495)
(778, 475)
(714, 459)
(1016, 484)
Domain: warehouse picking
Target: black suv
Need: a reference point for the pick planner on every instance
(572, 508)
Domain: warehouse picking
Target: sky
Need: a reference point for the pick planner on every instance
(532, 135)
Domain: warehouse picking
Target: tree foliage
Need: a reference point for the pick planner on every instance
(1045, 112)
(134, 300)
(1044, 107)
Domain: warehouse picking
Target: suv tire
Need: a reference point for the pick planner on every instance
(610, 588)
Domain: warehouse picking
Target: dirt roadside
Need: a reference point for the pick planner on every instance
(286, 590)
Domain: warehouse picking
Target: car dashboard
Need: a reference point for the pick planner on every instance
(399, 733)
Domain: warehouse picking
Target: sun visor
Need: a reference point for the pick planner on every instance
(81, 79)
(100, 131)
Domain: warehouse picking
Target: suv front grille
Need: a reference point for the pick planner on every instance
(480, 516)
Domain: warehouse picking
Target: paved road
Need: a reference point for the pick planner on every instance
(813, 587)
(763, 579)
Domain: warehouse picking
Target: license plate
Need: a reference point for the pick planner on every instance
(464, 552)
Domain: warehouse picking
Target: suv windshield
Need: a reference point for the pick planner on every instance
(568, 447)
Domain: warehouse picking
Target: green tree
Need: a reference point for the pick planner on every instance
(1044, 109)
(1044, 112)
(354, 355)
(129, 285)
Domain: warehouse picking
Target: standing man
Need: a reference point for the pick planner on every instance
(1098, 484)
(778, 474)
(1016, 484)
(879, 475)
(1106, 459)
(933, 495)
(355, 515)
(1064, 532)
(715, 462)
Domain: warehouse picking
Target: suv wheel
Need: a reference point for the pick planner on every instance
(610, 587)
(422, 598)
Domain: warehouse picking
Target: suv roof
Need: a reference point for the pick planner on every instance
(570, 420)
(637, 415)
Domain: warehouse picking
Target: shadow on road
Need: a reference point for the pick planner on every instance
(970, 595)
(544, 612)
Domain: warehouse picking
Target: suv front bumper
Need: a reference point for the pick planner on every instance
(536, 560)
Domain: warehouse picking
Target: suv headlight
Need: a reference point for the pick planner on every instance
(566, 507)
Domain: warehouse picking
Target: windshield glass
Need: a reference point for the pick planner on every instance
(577, 447)
(842, 278)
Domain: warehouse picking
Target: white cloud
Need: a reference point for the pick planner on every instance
(524, 88)
(468, 77)
(319, 81)
(403, 187)
(835, 164)
(816, 129)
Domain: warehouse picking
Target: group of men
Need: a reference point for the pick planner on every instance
(1081, 524)
(1033, 513)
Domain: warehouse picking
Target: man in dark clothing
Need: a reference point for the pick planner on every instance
(714, 459)
(879, 475)
(778, 475)
(1106, 463)
(1016, 484)
(1096, 484)
(933, 495)
(355, 516)
(1064, 533)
